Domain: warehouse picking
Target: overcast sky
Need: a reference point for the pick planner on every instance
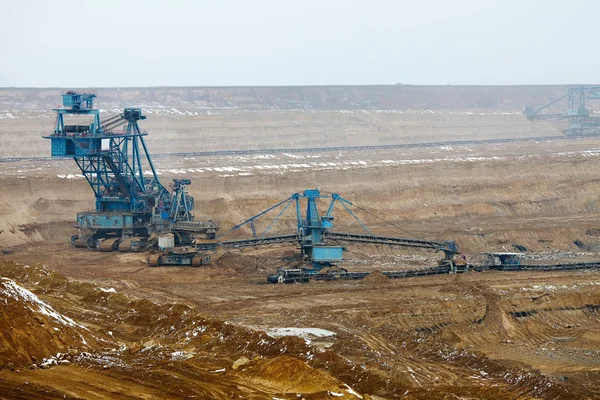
(116, 43)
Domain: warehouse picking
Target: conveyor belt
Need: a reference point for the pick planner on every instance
(395, 241)
(439, 270)
(545, 267)
(238, 244)
(328, 149)
(362, 148)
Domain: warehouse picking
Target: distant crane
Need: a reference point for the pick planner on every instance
(580, 120)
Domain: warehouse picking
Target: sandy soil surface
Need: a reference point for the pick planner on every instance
(84, 324)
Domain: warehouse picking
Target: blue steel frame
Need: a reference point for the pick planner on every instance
(310, 227)
(315, 230)
(112, 162)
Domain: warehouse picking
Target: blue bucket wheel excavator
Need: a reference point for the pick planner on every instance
(320, 253)
(579, 117)
(132, 208)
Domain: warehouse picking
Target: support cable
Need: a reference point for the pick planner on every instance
(277, 217)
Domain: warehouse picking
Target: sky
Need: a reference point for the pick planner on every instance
(130, 43)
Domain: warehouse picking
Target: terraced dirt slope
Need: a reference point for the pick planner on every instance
(208, 119)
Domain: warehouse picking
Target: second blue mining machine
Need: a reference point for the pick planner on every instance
(320, 254)
(133, 209)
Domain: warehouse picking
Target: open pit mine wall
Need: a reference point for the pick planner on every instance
(373, 97)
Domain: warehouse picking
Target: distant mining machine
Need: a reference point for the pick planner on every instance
(580, 120)
(133, 209)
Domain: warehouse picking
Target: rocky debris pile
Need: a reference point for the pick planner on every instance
(558, 256)
(375, 278)
(58, 359)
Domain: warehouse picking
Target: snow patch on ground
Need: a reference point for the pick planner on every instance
(352, 391)
(69, 176)
(305, 333)
(555, 288)
(181, 355)
(9, 288)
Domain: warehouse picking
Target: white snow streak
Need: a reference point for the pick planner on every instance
(9, 288)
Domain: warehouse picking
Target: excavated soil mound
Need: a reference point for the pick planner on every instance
(289, 374)
(376, 278)
(32, 330)
(238, 262)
